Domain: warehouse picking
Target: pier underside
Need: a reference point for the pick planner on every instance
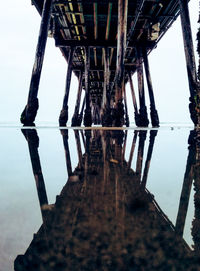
(105, 43)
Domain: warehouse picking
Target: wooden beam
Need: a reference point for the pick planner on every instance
(190, 60)
(64, 112)
(78, 99)
(143, 110)
(87, 116)
(95, 20)
(153, 111)
(30, 111)
(108, 21)
(137, 118)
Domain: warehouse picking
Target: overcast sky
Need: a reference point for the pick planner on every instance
(20, 25)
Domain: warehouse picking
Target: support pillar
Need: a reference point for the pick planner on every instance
(126, 109)
(137, 116)
(106, 117)
(80, 116)
(121, 50)
(30, 111)
(153, 111)
(78, 99)
(64, 112)
(88, 116)
(194, 87)
(143, 109)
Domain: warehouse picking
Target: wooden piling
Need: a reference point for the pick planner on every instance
(78, 99)
(190, 62)
(126, 109)
(87, 117)
(30, 111)
(143, 110)
(121, 49)
(137, 117)
(153, 111)
(64, 112)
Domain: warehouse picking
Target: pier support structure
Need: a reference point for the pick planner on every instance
(121, 49)
(194, 86)
(64, 112)
(30, 111)
(143, 109)
(153, 111)
(78, 100)
(88, 115)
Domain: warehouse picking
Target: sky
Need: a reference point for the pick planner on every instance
(19, 35)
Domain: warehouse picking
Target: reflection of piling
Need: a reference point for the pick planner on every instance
(33, 144)
(142, 138)
(132, 149)
(153, 134)
(64, 134)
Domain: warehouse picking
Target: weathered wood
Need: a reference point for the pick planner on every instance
(121, 50)
(95, 20)
(143, 110)
(87, 116)
(78, 99)
(153, 111)
(126, 109)
(137, 117)
(190, 61)
(64, 112)
(30, 111)
(106, 117)
(108, 20)
(80, 116)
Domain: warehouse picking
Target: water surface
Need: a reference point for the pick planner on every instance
(98, 199)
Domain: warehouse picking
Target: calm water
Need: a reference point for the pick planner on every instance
(99, 199)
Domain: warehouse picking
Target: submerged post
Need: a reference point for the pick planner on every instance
(30, 111)
(194, 105)
(64, 112)
(153, 111)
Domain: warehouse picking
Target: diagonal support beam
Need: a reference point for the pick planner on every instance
(30, 111)
(64, 112)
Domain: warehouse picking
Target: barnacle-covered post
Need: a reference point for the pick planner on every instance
(121, 49)
(64, 112)
(194, 87)
(30, 111)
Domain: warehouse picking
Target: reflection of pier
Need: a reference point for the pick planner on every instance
(105, 218)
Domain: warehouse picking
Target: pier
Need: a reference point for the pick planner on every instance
(104, 44)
